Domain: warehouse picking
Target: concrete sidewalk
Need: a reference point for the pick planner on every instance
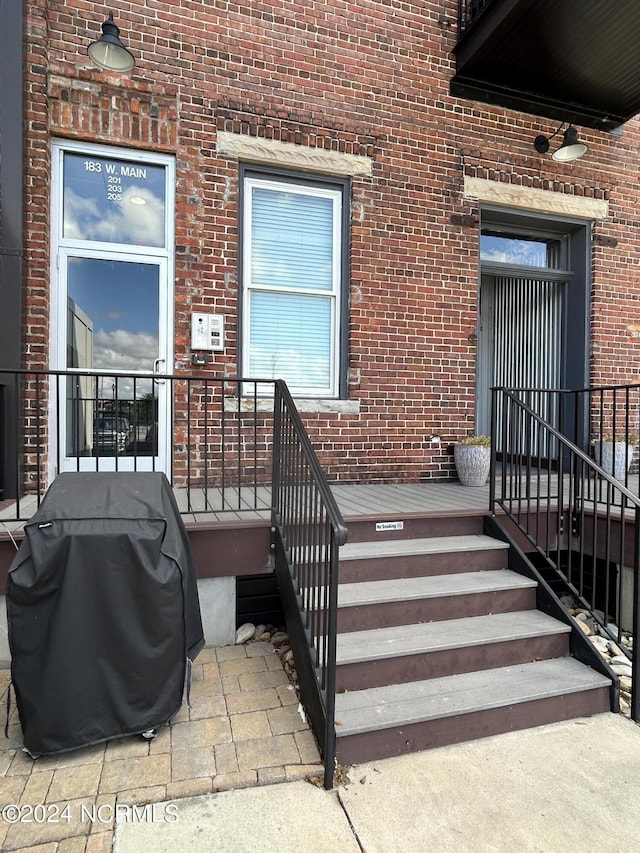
(571, 786)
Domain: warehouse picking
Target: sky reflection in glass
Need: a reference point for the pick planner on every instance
(113, 201)
(121, 301)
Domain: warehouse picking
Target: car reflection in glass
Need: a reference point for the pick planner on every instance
(112, 436)
(147, 446)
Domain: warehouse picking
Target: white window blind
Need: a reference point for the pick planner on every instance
(292, 240)
(290, 339)
(292, 269)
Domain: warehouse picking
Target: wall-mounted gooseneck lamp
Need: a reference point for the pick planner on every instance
(571, 148)
(108, 52)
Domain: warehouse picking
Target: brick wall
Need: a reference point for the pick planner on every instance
(367, 78)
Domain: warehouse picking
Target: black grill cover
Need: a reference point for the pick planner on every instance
(103, 611)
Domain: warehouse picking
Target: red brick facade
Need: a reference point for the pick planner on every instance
(368, 78)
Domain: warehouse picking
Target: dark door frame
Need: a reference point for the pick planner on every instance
(576, 332)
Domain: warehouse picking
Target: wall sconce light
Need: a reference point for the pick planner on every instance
(108, 52)
(571, 148)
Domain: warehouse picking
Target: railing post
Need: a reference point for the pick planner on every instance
(493, 430)
(277, 450)
(635, 655)
(330, 689)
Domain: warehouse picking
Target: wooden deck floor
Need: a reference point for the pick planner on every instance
(357, 500)
(197, 505)
(354, 500)
(437, 497)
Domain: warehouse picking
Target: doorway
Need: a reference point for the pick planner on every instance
(533, 307)
(112, 326)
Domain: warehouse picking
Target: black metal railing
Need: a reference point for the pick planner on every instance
(307, 529)
(604, 422)
(226, 445)
(582, 522)
(212, 436)
(469, 11)
(611, 415)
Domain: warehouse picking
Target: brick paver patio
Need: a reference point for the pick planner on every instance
(244, 728)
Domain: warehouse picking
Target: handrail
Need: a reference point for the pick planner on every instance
(569, 445)
(307, 530)
(333, 512)
(583, 521)
(603, 421)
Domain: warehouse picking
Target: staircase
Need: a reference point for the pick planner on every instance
(439, 642)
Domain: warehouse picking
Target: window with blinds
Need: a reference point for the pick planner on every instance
(292, 270)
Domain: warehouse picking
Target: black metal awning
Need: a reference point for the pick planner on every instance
(566, 60)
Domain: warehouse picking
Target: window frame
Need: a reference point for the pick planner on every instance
(512, 225)
(252, 175)
(162, 257)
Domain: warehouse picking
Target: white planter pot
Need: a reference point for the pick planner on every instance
(614, 458)
(472, 463)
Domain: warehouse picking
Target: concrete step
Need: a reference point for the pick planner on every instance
(394, 558)
(384, 721)
(402, 601)
(429, 650)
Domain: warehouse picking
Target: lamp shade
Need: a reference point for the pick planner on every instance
(108, 52)
(571, 148)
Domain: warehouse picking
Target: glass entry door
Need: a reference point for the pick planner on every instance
(111, 274)
(114, 323)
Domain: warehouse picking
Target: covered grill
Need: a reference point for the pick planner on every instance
(103, 611)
